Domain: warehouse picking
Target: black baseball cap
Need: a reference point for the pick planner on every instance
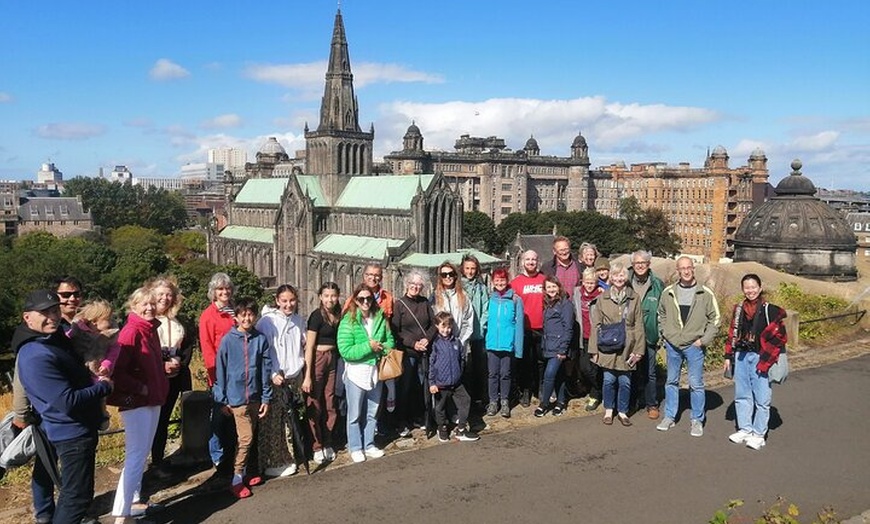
(40, 300)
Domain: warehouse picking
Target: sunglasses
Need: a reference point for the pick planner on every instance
(68, 294)
(449, 274)
(368, 299)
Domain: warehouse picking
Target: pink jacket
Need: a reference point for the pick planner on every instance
(140, 363)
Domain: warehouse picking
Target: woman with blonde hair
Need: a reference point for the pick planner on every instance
(449, 296)
(176, 350)
(141, 388)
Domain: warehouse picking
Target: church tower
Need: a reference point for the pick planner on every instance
(338, 148)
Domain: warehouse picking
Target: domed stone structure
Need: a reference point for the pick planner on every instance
(532, 148)
(797, 233)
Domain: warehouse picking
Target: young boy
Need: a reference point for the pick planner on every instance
(446, 363)
(243, 385)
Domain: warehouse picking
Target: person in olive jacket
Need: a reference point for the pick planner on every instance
(618, 304)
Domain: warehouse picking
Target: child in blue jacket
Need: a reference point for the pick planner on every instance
(446, 363)
(243, 385)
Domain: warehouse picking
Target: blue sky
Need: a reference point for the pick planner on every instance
(155, 84)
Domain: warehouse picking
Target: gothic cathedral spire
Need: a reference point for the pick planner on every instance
(338, 109)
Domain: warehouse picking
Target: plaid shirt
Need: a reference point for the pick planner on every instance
(771, 340)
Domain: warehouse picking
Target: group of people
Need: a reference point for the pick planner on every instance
(583, 322)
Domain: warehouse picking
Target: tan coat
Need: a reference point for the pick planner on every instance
(603, 310)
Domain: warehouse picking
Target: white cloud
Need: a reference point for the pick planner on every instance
(165, 69)
(226, 121)
(816, 142)
(554, 123)
(69, 131)
(310, 76)
(5, 97)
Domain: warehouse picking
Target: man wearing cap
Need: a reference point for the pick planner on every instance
(67, 400)
(602, 271)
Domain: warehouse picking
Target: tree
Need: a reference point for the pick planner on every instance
(650, 228)
(478, 230)
(113, 204)
(185, 245)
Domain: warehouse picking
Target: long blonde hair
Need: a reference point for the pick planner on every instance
(457, 286)
(95, 311)
(172, 283)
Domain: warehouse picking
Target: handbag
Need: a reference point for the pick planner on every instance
(611, 337)
(390, 365)
(778, 372)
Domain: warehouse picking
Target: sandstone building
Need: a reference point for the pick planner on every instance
(705, 205)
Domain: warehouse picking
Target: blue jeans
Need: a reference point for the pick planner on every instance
(554, 378)
(617, 390)
(751, 392)
(76, 457)
(694, 357)
(362, 412)
(222, 443)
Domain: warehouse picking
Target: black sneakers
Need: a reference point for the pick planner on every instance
(443, 434)
(466, 435)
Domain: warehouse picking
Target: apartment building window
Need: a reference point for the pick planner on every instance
(506, 199)
(506, 210)
(506, 187)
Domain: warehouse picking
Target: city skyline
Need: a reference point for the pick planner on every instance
(156, 85)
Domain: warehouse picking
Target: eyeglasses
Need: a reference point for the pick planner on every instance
(374, 275)
(368, 298)
(448, 274)
(640, 264)
(68, 294)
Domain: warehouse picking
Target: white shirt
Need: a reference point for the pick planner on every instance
(286, 342)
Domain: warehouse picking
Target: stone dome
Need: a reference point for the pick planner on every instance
(413, 131)
(795, 183)
(757, 154)
(798, 233)
(579, 141)
(719, 151)
(272, 147)
(531, 143)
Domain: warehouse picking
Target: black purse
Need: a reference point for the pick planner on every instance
(611, 337)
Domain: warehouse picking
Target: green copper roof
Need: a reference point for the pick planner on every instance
(266, 191)
(455, 257)
(251, 234)
(356, 246)
(310, 184)
(385, 192)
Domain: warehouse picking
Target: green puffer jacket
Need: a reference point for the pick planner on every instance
(650, 306)
(353, 339)
(479, 297)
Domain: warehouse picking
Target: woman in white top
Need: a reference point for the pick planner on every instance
(177, 350)
(285, 330)
(450, 297)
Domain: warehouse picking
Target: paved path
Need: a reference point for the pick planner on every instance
(579, 470)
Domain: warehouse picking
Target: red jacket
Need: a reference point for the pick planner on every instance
(140, 363)
(213, 325)
(772, 338)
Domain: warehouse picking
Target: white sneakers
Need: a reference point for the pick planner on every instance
(751, 440)
(357, 456)
(281, 471)
(324, 455)
(374, 453)
(755, 442)
(739, 437)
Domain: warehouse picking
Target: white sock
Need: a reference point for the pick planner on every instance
(238, 478)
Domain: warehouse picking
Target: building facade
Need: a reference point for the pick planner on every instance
(705, 205)
(60, 216)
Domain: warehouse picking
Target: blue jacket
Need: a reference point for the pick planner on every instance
(558, 328)
(244, 369)
(446, 361)
(505, 325)
(60, 388)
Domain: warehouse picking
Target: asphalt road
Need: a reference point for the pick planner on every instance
(579, 470)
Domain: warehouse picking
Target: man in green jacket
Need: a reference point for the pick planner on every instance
(688, 320)
(475, 289)
(648, 286)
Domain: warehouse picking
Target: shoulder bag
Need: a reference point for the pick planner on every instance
(611, 337)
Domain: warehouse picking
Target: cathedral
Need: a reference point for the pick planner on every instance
(327, 223)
